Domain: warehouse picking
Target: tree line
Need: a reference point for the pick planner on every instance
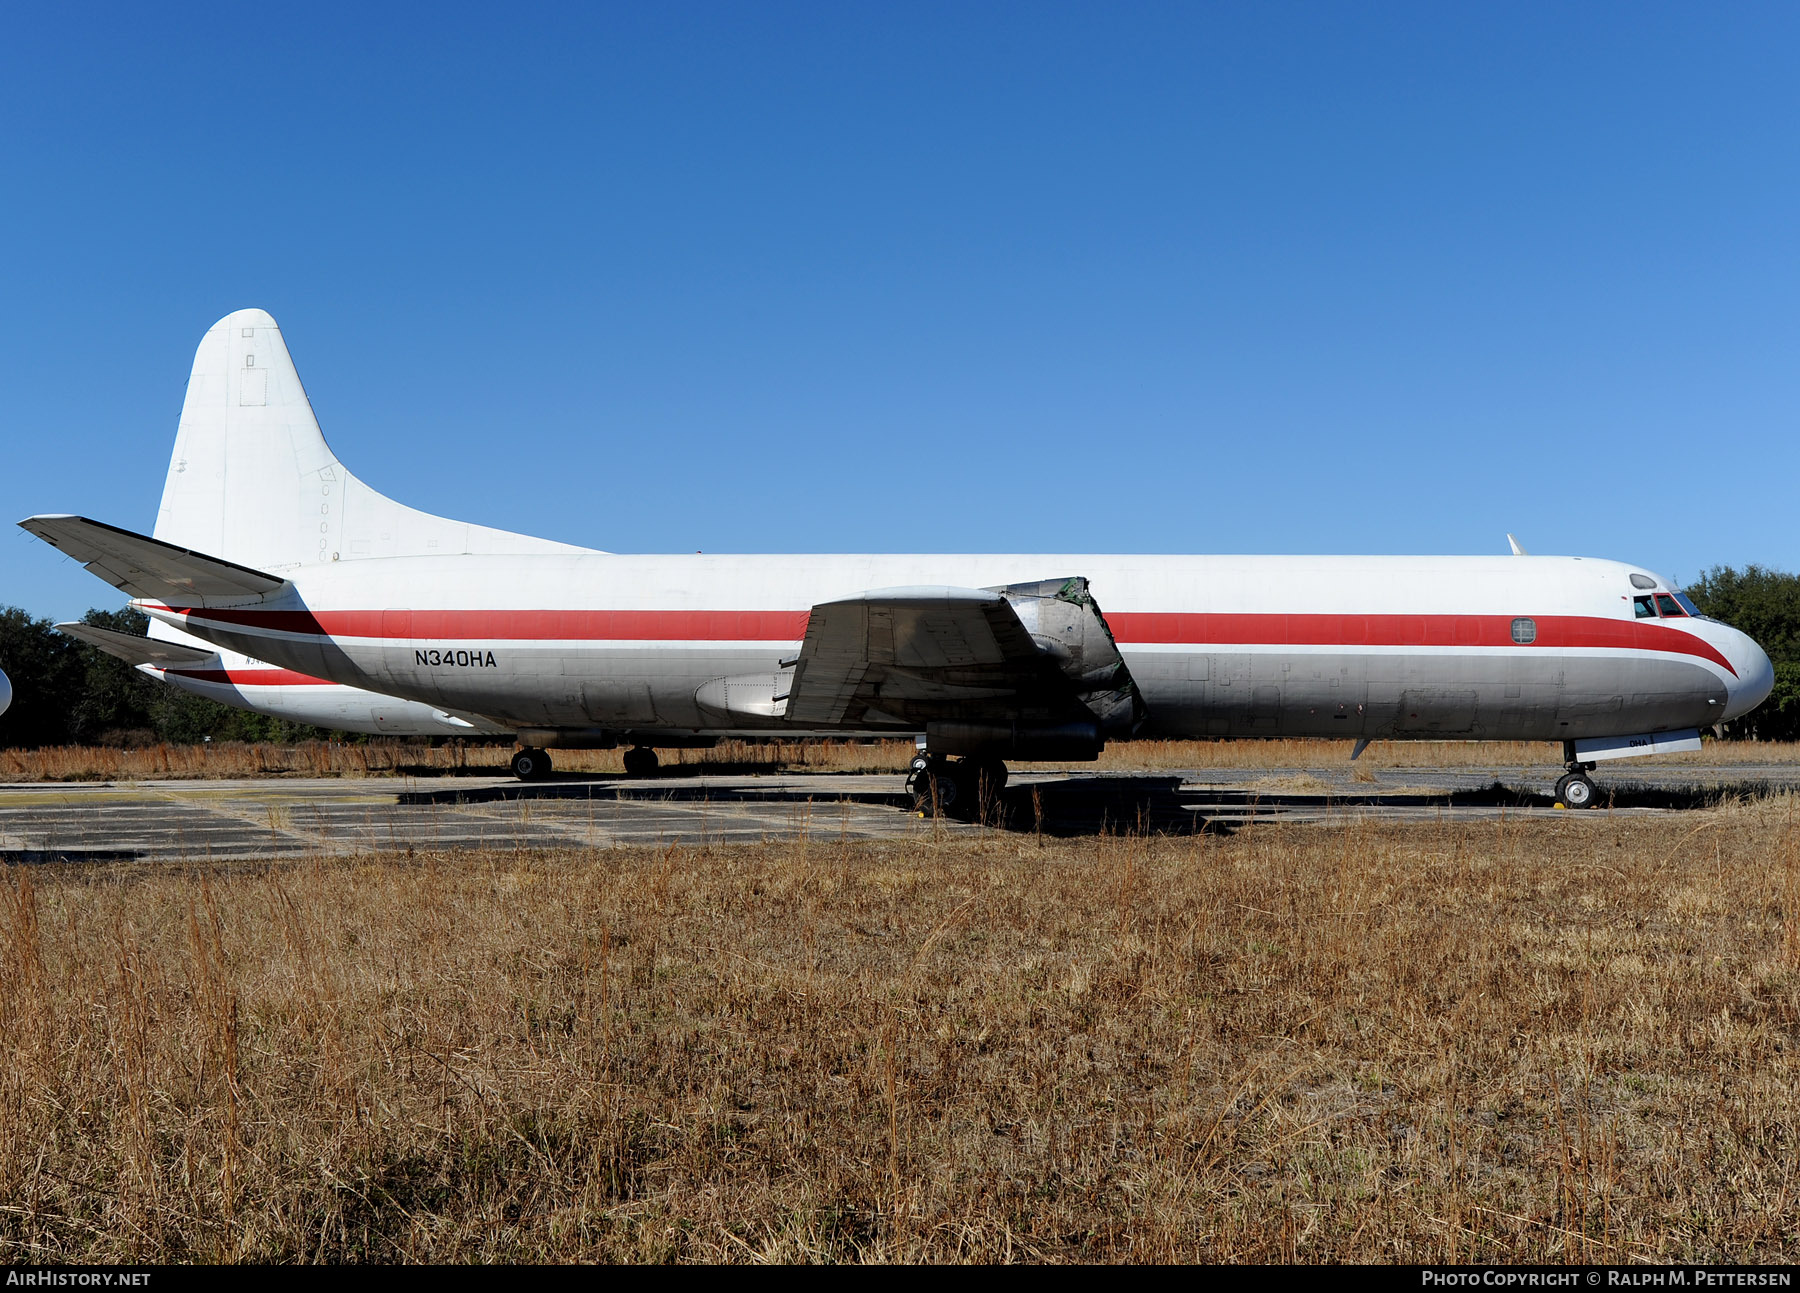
(67, 692)
(1765, 604)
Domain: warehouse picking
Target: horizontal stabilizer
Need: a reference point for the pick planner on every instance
(146, 567)
(133, 649)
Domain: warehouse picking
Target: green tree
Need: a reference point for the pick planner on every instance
(46, 674)
(1765, 604)
(115, 698)
(67, 691)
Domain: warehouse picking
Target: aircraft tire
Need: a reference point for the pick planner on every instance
(531, 764)
(1576, 791)
(986, 779)
(937, 791)
(921, 776)
(641, 761)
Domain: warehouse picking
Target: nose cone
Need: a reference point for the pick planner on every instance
(1755, 675)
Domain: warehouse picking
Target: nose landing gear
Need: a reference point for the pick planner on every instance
(1575, 789)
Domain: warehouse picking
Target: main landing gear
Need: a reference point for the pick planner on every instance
(965, 788)
(531, 765)
(641, 761)
(1575, 789)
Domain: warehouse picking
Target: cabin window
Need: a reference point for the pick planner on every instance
(1524, 631)
(1666, 604)
(1644, 608)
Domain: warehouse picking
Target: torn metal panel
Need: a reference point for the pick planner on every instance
(1065, 623)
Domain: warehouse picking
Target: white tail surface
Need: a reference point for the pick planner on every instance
(253, 481)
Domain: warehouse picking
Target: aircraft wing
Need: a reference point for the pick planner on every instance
(146, 567)
(1036, 652)
(136, 650)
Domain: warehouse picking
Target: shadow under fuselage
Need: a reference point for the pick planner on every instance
(1099, 805)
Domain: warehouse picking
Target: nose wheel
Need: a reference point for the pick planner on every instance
(1575, 789)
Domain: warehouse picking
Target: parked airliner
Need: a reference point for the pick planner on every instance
(267, 546)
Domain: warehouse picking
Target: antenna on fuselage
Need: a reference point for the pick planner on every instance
(1514, 545)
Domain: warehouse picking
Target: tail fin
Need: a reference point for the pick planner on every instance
(253, 480)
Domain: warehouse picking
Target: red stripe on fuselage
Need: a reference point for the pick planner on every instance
(251, 677)
(1131, 628)
(1351, 631)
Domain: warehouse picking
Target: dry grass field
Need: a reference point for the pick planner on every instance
(389, 758)
(1530, 1039)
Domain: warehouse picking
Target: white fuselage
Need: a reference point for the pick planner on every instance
(568, 646)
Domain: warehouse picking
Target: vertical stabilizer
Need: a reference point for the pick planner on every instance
(253, 481)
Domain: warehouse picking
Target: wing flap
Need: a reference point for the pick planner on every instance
(136, 650)
(1037, 653)
(146, 567)
(894, 651)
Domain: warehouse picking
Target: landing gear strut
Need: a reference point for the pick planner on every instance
(641, 761)
(1575, 789)
(940, 788)
(531, 765)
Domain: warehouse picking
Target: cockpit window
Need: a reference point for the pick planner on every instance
(1644, 608)
(1686, 604)
(1666, 604)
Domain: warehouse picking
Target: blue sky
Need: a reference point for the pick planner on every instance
(1183, 278)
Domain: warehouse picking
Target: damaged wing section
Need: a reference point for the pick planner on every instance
(149, 568)
(1065, 623)
(1018, 670)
